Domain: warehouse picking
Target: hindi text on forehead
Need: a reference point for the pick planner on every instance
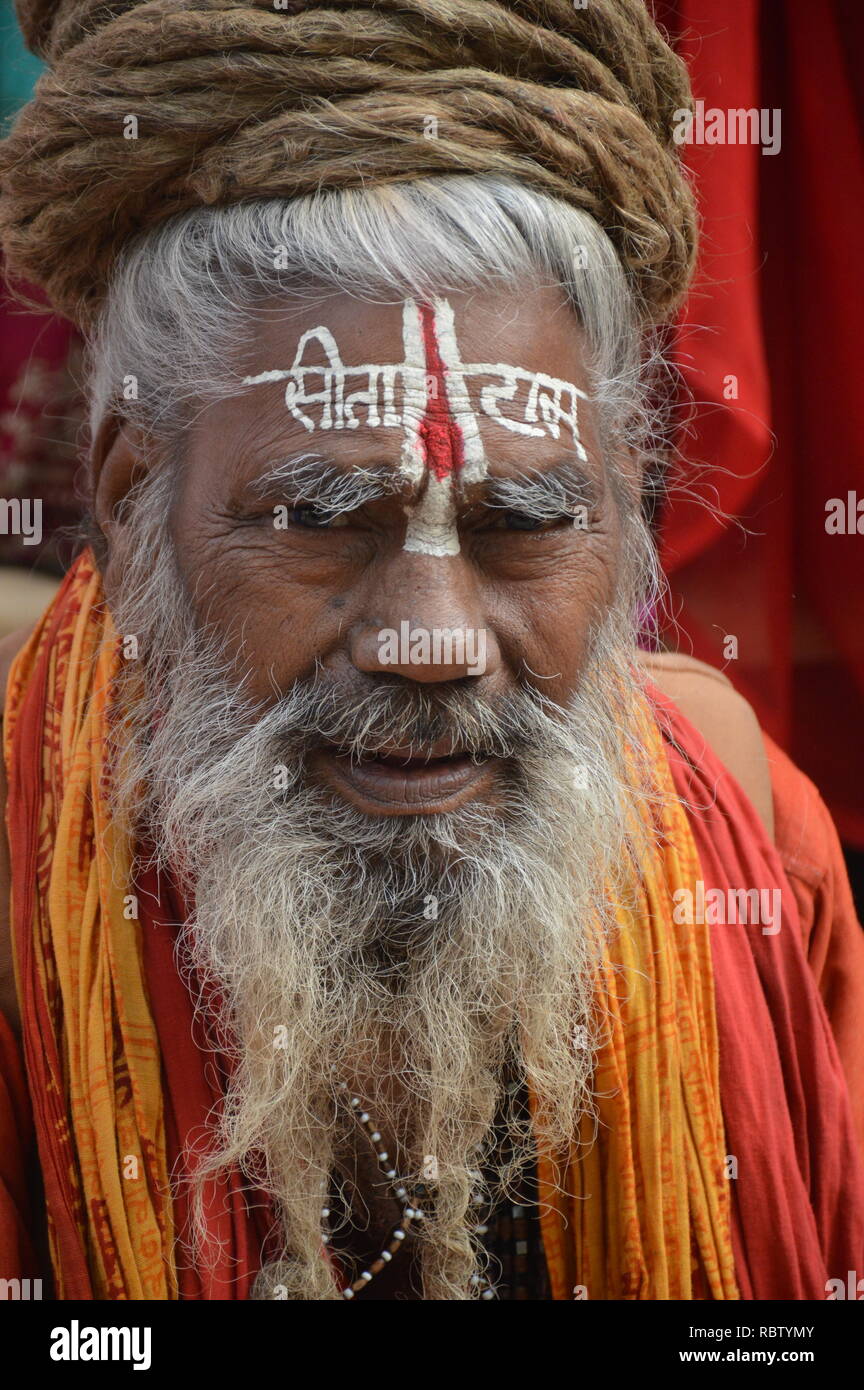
(333, 395)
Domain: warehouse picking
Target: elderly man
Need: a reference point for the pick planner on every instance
(383, 924)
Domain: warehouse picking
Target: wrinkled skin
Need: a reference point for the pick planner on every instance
(283, 599)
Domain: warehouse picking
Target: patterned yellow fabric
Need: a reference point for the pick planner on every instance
(99, 1075)
(642, 1211)
(640, 1208)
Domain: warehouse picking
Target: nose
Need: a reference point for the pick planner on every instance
(427, 623)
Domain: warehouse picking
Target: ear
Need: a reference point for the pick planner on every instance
(118, 460)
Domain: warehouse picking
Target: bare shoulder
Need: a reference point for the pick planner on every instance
(9, 648)
(724, 718)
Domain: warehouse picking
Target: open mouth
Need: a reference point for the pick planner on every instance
(406, 780)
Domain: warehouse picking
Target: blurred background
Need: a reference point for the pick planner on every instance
(770, 352)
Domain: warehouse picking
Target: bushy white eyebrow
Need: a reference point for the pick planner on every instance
(316, 481)
(543, 495)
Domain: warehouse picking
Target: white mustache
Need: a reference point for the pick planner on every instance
(383, 716)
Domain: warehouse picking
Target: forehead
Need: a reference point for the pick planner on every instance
(533, 331)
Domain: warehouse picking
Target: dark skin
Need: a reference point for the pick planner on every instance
(284, 599)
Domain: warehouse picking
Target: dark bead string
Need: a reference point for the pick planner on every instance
(511, 1234)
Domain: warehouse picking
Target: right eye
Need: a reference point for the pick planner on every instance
(315, 518)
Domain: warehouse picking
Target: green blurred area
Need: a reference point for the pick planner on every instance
(18, 68)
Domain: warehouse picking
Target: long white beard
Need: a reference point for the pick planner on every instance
(424, 951)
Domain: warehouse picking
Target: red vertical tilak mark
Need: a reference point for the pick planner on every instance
(441, 435)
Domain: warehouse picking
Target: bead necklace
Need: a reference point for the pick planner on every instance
(412, 1215)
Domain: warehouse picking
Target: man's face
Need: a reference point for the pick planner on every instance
(290, 584)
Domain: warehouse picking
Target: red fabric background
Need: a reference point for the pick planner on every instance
(777, 303)
(41, 414)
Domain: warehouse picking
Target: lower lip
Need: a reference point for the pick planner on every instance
(392, 790)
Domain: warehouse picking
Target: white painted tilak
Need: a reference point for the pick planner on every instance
(432, 521)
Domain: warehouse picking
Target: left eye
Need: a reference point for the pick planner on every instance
(523, 521)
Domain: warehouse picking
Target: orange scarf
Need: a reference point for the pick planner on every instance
(642, 1212)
